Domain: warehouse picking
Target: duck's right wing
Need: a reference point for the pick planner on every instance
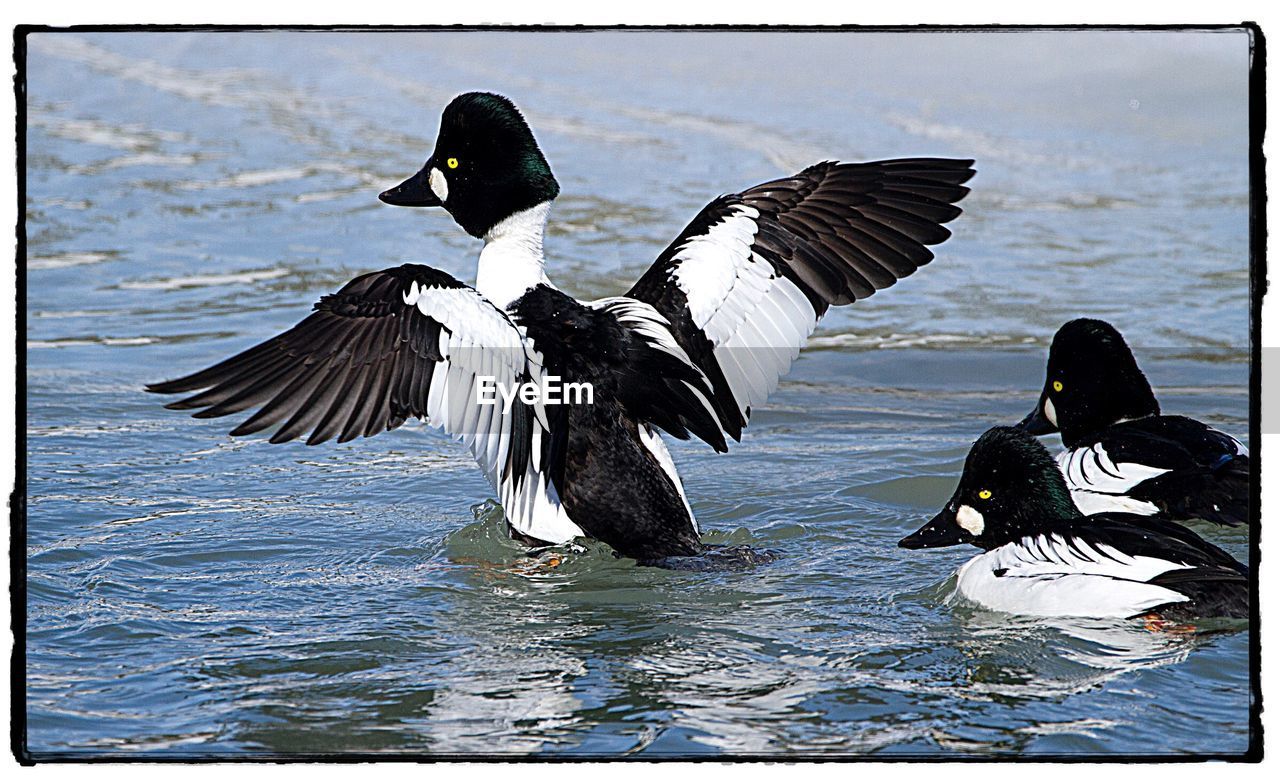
(404, 342)
(1171, 442)
(745, 284)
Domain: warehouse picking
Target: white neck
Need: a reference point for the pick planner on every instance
(511, 261)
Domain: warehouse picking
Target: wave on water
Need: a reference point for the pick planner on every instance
(233, 87)
(68, 260)
(910, 340)
(205, 280)
(985, 146)
(130, 137)
(269, 176)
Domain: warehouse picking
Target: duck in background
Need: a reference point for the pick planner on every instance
(1122, 454)
(1043, 556)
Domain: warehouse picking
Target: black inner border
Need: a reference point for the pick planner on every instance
(18, 498)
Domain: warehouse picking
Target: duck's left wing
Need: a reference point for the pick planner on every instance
(404, 342)
(745, 284)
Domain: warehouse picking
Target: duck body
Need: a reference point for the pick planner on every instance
(1108, 566)
(1120, 453)
(1042, 556)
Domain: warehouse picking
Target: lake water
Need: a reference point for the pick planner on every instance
(189, 195)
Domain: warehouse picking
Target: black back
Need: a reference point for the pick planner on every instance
(1208, 477)
(1216, 585)
(1151, 536)
(610, 485)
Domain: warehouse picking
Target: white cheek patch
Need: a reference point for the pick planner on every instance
(970, 519)
(438, 185)
(1050, 413)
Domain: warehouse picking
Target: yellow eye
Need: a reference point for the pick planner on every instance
(984, 494)
(452, 162)
(1057, 386)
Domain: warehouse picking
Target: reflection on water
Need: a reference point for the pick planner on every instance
(190, 594)
(1061, 656)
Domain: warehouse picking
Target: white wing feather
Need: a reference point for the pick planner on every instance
(756, 320)
(480, 340)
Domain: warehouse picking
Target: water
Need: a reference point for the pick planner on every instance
(191, 595)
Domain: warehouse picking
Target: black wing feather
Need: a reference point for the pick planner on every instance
(1213, 592)
(361, 363)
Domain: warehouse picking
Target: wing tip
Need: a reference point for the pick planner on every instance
(170, 387)
(279, 437)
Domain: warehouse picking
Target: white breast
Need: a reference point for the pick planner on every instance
(511, 261)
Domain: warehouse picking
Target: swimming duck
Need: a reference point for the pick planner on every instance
(700, 338)
(1043, 556)
(1121, 453)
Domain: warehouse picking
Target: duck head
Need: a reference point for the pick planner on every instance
(1010, 487)
(1092, 382)
(485, 167)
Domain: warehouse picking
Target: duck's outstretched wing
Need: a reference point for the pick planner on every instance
(745, 284)
(404, 342)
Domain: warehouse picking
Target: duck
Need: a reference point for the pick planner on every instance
(698, 340)
(1043, 557)
(1121, 454)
